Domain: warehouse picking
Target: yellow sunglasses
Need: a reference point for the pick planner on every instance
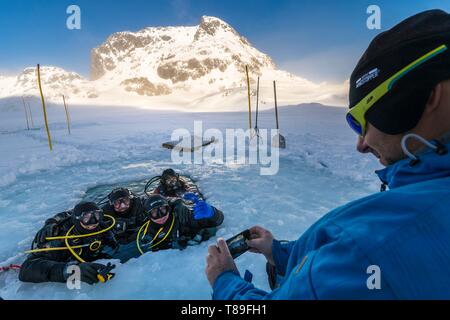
(356, 115)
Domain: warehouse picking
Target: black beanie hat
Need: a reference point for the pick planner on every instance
(168, 173)
(118, 193)
(81, 208)
(155, 201)
(401, 108)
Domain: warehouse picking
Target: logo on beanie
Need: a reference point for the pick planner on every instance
(372, 74)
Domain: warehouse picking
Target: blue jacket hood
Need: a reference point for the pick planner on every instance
(431, 166)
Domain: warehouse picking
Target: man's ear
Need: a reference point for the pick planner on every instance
(434, 99)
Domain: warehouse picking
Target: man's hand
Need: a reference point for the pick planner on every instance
(218, 261)
(261, 242)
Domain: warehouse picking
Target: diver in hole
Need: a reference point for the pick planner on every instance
(79, 237)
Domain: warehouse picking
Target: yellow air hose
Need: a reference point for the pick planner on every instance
(54, 249)
(145, 225)
(87, 234)
(70, 248)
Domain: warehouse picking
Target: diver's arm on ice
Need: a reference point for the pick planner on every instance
(187, 219)
(189, 186)
(38, 269)
(214, 221)
(41, 269)
(45, 266)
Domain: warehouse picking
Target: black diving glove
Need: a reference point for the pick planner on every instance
(89, 272)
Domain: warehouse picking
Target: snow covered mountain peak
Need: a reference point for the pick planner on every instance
(50, 74)
(55, 82)
(171, 55)
(215, 27)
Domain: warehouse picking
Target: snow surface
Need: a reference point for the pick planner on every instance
(319, 171)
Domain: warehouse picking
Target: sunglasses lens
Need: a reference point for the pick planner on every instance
(354, 124)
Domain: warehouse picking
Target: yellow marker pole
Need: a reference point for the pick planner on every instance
(67, 114)
(26, 113)
(43, 108)
(249, 101)
(31, 115)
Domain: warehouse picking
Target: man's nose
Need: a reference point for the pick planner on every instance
(362, 146)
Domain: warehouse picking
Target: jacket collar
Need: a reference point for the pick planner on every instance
(403, 172)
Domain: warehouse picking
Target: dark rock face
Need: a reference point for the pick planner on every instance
(179, 71)
(143, 86)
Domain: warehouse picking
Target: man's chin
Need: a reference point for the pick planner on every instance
(387, 162)
(162, 220)
(383, 162)
(89, 227)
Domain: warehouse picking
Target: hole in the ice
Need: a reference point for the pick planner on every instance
(98, 193)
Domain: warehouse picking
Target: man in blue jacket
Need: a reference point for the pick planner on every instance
(390, 245)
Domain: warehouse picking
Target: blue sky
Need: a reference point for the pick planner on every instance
(320, 40)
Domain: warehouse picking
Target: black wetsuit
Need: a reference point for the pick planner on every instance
(183, 186)
(185, 227)
(49, 266)
(175, 234)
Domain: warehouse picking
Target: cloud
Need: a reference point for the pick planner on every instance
(333, 65)
(327, 72)
(10, 73)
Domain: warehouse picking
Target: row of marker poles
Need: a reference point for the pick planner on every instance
(278, 140)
